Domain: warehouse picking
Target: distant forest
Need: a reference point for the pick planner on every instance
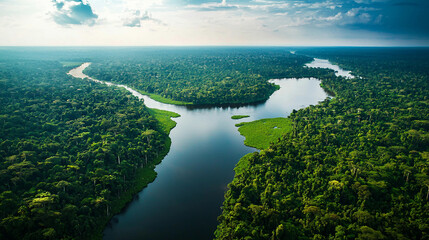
(205, 76)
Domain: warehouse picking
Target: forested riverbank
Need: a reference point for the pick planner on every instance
(354, 167)
(72, 152)
(205, 76)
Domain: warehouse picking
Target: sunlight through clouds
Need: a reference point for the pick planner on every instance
(216, 22)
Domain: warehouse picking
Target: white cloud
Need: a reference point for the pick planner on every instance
(230, 22)
(337, 17)
(364, 18)
(355, 11)
(213, 6)
(352, 12)
(146, 4)
(362, 15)
(134, 18)
(73, 12)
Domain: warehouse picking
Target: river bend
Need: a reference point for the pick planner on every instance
(184, 200)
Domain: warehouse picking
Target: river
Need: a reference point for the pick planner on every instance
(322, 63)
(184, 200)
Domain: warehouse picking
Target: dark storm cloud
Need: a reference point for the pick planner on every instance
(73, 12)
(396, 17)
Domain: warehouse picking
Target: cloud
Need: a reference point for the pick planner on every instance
(73, 12)
(397, 17)
(361, 16)
(364, 18)
(371, 1)
(406, 18)
(135, 17)
(336, 17)
(213, 6)
(389, 17)
(355, 11)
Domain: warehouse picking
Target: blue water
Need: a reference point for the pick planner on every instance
(184, 200)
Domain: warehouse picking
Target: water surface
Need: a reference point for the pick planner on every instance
(322, 63)
(184, 200)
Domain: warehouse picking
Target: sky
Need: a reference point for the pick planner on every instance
(214, 22)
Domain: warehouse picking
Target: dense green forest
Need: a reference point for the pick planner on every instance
(354, 167)
(204, 75)
(72, 152)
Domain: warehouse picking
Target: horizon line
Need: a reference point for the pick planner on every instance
(180, 46)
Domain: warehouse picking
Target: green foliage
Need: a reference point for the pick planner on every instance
(71, 64)
(260, 133)
(72, 152)
(354, 167)
(164, 118)
(243, 164)
(162, 99)
(235, 117)
(203, 76)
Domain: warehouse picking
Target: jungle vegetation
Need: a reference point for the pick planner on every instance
(204, 76)
(353, 167)
(72, 152)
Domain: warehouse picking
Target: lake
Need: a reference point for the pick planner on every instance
(184, 200)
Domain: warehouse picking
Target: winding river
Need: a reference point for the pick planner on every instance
(184, 200)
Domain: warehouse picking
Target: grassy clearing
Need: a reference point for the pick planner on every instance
(259, 134)
(164, 117)
(239, 116)
(163, 99)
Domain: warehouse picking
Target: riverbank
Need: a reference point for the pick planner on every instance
(339, 175)
(205, 149)
(144, 175)
(161, 99)
(260, 133)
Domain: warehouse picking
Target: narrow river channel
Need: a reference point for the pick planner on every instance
(184, 200)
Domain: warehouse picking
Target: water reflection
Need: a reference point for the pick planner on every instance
(184, 200)
(322, 63)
